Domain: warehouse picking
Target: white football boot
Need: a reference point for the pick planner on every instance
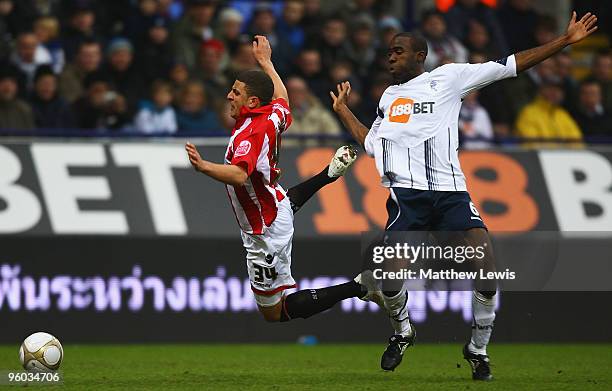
(342, 160)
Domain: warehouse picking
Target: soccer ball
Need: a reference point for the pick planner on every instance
(41, 352)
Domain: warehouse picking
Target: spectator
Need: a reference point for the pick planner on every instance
(478, 40)
(242, 59)
(522, 90)
(47, 31)
(192, 29)
(361, 50)
(601, 71)
(210, 72)
(100, 107)
(170, 9)
(14, 113)
(110, 15)
(155, 51)
(358, 8)
(310, 117)
(378, 85)
(178, 76)
(590, 114)
(290, 25)
(121, 72)
(264, 23)
(544, 118)
(518, 21)
(464, 11)
(28, 55)
(309, 67)
(193, 115)
(87, 60)
(50, 110)
(6, 7)
(565, 64)
(440, 44)
(47, 7)
(312, 21)
(545, 30)
(493, 99)
(388, 26)
(17, 15)
(230, 28)
(157, 116)
(82, 21)
(142, 17)
(475, 127)
(333, 46)
(343, 71)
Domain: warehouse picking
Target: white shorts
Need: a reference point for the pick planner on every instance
(269, 258)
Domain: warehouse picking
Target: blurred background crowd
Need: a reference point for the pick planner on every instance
(160, 67)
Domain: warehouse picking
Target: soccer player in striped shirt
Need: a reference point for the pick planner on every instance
(414, 140)
(264, 211)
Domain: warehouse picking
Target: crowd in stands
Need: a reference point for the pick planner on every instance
(165, 66)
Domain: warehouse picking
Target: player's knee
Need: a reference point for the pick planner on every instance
(487, 294)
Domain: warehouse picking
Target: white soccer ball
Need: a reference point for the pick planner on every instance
(41, 352)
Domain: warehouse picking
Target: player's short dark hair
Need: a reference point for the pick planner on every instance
(258, 84)
(417, 41)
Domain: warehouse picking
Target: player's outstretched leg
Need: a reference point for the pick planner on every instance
(342, 160)
(396, 303)
(308, 302)
(475, 351)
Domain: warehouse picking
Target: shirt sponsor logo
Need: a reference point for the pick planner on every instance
(402, 108)
(243, 148)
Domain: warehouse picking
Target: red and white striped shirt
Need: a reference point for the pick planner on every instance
(254, 145)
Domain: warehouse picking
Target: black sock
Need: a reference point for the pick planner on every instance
(308, 302)
(300, 193)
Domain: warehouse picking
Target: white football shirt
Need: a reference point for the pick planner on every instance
(415, 136)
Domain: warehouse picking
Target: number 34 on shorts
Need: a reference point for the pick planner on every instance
(261, 274)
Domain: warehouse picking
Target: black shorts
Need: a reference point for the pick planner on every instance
(418, 210)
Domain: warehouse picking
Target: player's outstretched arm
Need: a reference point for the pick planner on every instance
(576, 32)
(226, 173)
(262, 51)
(356, 128)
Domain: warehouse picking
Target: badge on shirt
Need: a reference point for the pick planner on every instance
(243, 148)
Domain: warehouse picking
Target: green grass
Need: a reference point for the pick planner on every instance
(323, 367)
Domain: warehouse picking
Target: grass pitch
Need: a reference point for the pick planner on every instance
(323, 367)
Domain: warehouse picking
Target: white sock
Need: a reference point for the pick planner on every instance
(483, 309)
(397, 306)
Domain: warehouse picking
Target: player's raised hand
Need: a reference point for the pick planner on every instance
(344, 90)
(579, 30)
(194, 156)
(262, 51)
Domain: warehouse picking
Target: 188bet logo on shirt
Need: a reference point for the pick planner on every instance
(402, 108)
